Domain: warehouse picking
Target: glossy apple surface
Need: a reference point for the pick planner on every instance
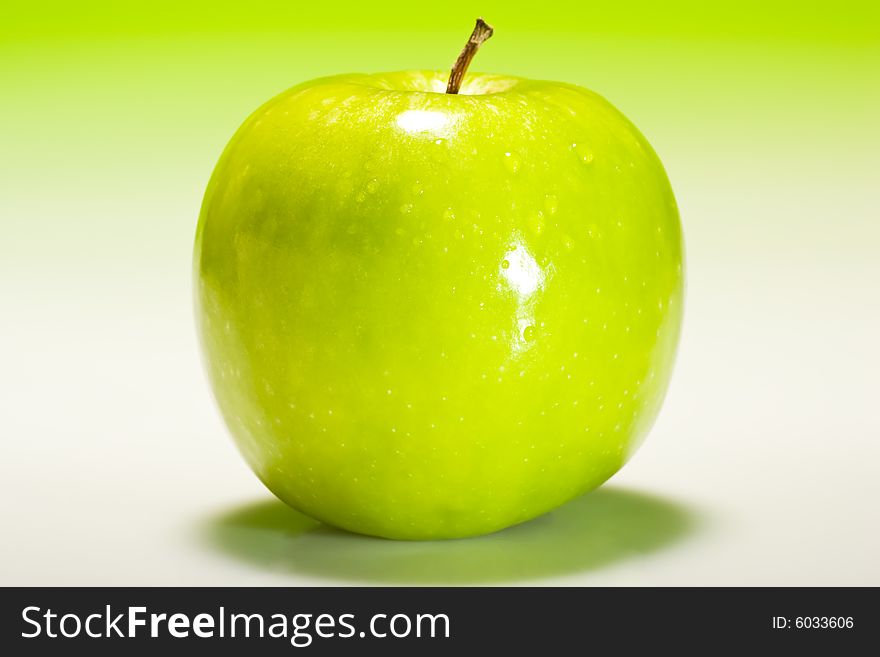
(429, 315)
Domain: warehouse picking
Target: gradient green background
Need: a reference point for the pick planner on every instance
(765, 115)
(121, 109)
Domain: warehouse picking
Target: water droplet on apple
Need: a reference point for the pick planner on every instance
(505, 264)
(511, 162)
(537, 222)
(529, 333)
(584, 154)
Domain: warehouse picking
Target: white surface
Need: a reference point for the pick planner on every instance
(115, 465)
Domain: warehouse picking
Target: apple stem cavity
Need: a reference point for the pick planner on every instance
(482, 32)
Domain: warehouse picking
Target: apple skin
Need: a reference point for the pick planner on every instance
(428, 315)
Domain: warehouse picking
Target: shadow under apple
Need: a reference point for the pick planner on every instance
(597, 530)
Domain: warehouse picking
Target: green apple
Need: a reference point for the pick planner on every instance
(430, 314)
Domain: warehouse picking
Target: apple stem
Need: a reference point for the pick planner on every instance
(482, 31)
